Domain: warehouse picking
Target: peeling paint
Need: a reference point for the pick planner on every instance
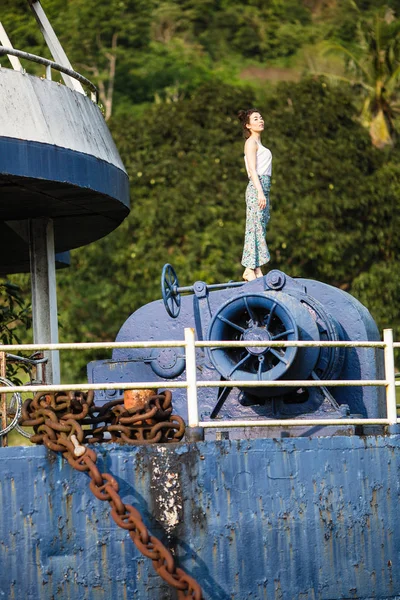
(166, 489)
(329, 533)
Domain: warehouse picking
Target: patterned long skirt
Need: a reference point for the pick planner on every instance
(255, 250)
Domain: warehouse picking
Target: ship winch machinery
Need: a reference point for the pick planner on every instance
(273, 307)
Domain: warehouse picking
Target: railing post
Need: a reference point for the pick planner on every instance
(194, 433)
(391, 408)
(3, 400)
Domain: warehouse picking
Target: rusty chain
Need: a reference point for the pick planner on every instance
(64, 422)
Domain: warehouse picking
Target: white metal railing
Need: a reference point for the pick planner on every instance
(50, 64)
(191, 384)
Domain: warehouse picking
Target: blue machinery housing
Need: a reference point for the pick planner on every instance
(275, 307)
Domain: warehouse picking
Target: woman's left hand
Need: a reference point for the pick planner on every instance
(262, 201)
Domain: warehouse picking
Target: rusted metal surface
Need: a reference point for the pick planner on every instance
(62, 422)
(294, 518)
(137, 399)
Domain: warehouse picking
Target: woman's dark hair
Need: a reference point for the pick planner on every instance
(244, 118)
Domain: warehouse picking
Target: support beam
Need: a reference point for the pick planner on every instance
(5, 41)
(44, 296)
(54, 45)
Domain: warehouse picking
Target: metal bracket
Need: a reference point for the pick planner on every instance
(54, 45)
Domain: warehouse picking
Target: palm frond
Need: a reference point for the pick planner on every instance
(350, 81)
(338, 48)
(392, 82)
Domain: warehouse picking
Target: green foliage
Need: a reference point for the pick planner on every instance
(260, 31)
(373, 65)
(13, 312)
(21, 27)
(162, 49)
(329, 159)
(169, 72)
(166, 48)
(15, 320)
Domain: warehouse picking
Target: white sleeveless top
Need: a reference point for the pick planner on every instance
(263, 161)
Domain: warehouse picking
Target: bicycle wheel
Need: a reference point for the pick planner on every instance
(16, 399)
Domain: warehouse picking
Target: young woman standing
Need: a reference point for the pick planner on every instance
(258, 161)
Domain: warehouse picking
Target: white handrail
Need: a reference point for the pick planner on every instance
(76, 78)
(191, 384)
(190, 352)
(197, 344)
(290, 423)
(391, 408)
(289, 344)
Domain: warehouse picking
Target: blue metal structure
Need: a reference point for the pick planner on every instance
(309, 519)
(270, 308)
(63, 260)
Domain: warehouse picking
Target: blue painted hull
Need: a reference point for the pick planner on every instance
(295, 518)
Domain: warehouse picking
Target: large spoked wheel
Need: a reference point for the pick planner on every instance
(169, 290)
(253, 317)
